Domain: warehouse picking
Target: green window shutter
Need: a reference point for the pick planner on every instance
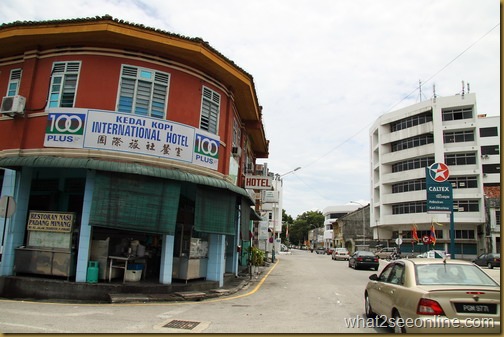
(143, 91)
(134, 202)
(245, 220)
(210, 106)
(215, 211)
(64, 84)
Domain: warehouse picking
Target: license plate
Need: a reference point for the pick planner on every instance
(476, 308)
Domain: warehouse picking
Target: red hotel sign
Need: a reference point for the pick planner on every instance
(258, 182)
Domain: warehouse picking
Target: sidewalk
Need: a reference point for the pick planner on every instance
(232, 285)
(58, 291)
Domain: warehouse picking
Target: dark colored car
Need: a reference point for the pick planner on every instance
(320, 250)
(489, 260)
(364, 259)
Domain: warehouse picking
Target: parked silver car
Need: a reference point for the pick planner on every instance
(433, 295)
(385, 252)
(340, 254)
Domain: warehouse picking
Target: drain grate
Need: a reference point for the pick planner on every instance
(187, 325)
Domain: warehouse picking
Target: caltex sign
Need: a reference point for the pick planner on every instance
(439, 189)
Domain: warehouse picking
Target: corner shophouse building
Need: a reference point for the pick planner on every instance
(138, 138)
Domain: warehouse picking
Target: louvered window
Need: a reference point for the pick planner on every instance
(143, 92)
(64, 84)
(14, 79)
(210, 106)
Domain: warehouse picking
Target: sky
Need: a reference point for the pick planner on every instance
(324, 70)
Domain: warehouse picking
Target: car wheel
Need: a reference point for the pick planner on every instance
(489, 265)
(398, 328)
(367, 307)
(376, 269)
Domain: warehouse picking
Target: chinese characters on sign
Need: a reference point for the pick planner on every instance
(92, 129)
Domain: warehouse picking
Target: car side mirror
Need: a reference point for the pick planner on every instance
(373, 277)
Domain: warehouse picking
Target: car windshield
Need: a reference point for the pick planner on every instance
(452, 274)
(366, 253)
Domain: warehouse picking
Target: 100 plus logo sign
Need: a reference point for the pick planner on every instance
(206, 151)
(65, 129)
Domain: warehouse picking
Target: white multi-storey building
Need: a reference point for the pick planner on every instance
(447, 130)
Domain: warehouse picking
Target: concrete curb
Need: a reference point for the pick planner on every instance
(178, 296)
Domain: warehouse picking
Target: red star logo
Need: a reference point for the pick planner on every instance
(439, 172)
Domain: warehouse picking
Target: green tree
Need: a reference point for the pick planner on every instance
(298, 231)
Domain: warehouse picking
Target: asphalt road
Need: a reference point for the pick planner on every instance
(301, 293)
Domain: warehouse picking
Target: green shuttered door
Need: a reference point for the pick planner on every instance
(134, 202)
(215, 211)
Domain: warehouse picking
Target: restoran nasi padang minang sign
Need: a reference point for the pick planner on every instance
(114, 131)
(50, 221)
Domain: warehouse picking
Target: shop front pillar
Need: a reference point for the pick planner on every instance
(216, 261)
(18, 186)
(166, 268)
(85, 229)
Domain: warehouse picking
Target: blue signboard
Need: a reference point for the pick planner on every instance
(439, 189)
(131, 134)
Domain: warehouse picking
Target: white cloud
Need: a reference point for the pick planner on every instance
(324, 70)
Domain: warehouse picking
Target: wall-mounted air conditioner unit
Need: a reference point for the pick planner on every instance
(236, 151)
(13, 105)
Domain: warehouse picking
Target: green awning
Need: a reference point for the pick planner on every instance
(115, 166)
(255, 216)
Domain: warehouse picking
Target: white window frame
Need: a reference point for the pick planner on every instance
(14, 82)
(62, 89)
(210, 110)
(143, 91)
(236, 133)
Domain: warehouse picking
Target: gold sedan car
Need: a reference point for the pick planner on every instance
(434, 295)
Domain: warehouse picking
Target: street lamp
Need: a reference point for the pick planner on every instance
(275, 210)
(363, 221)
(278, 176)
